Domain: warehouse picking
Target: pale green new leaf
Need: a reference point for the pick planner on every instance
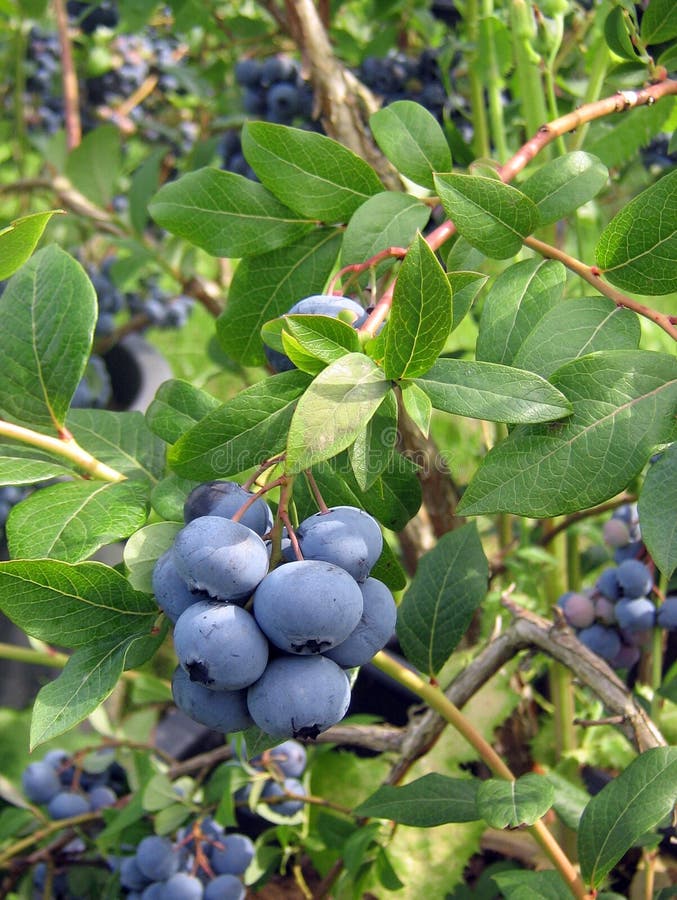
(143, 550)
(20, 238)
(333, 410)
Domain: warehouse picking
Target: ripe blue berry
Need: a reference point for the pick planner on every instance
(605, 642)
(66, 804)
(171, 592)
(634, 578)
(157, 857)
(345, 536)
(607, 584)
(234, 856)
(373, 631)
(224, 887)
(274, 789)
(667, 612)
(224, 711)
(40, 782)
(182, 886)
(225, 498)
(635, 615)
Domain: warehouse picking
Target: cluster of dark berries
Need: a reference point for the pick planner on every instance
(275, 780)
(90, 16)
(331, 305)
(204, 863)
(614, 617)
(69, 788)
(401, 77)
(274, 89)
(279, 663)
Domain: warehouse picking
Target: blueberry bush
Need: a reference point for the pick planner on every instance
(376, 593)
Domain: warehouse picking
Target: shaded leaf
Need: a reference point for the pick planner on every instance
(510, 804)
(226, 214)
(493, 392)
(656, 507)
(19, 239)
(624, 404)
(143, 550)
(450, 583)
(333, 410)
(465, 286)
(417, 405)
(309, 172)
(428, 801)
(95, 165)
(490, 215)
(241, 433)
(176, 407)
(635, 802)
(373, 448)
(143, 184)
(385, 220)
(617, 34)
(412, 139)
(421, 315)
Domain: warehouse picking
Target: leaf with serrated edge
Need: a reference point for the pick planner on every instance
(511, 804)
(576, 327)
(491, 215)
(71, 520)
(656, 507)
(226, 214)
(421, 314)
(424, 803)
(241, 433)
(176, 407)
(450, 583)
(72, 604)
(515, 303)
(333, 410)
(412, 139)
(628, 807)
(309, 172)
(624, 405)
(48, 311)
(493, 392)
(638, 248)
(143, 550)
(266, 286)
(562, 185)
(20, 238)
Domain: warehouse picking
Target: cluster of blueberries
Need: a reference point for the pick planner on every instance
(614, 618)
(263, 647)
(275, 780)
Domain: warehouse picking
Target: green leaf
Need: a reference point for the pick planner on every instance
(119, 439)
(309, 172)
(373, 449)
(526, 885)
(617, 34)
(561, 186)
(412, 139)
(573, 328)
(511, 804)
(96, 164)
(656, 506)
(241, 433)
(388, 569)
(89, 677)
(465, 286)
(386, 220)
(450, 583)
(635, 802)
(143, 184)
(48, 311)
(226, 214)
(71, 520)
(169, 495)
(659, 22)
(570, 800)
(490, 215)
(619, 141)
(19, 239)
(517, 300)
(143, 550)
(624, 403)
(268, 285)
(176, 407)
(72, 604)
(638, 248)
(17, 467)
(424, 803)
(420, 318)
(493, 392)
(333, 410)
(417, 405)
(324, 338)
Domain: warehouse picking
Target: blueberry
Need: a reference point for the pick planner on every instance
(616, 533)
(282, 103)
(101, 796)
(219, 556)
(607, 584)
(66, 804)
(220, 646)
(373, 631)
(666, 616)
(626, 657)
(630, 551)
(603, 641)
(634, 578)
(605, 610)
(299, 696)
(224, 711)
(248, 72)
(157, 857)
(171, 592)
(225, 498)
(307, 606)
(635, 615)
(346, 536)
(290, 758)
(274, 789)
(578, 609)
(234, 856)
(40, 782)
(224, 887)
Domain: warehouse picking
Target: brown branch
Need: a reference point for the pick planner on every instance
(69, 78)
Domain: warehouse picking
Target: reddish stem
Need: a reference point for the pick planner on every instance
(319, 499)
(69, 78)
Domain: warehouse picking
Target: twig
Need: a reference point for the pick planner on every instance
(69, 78)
